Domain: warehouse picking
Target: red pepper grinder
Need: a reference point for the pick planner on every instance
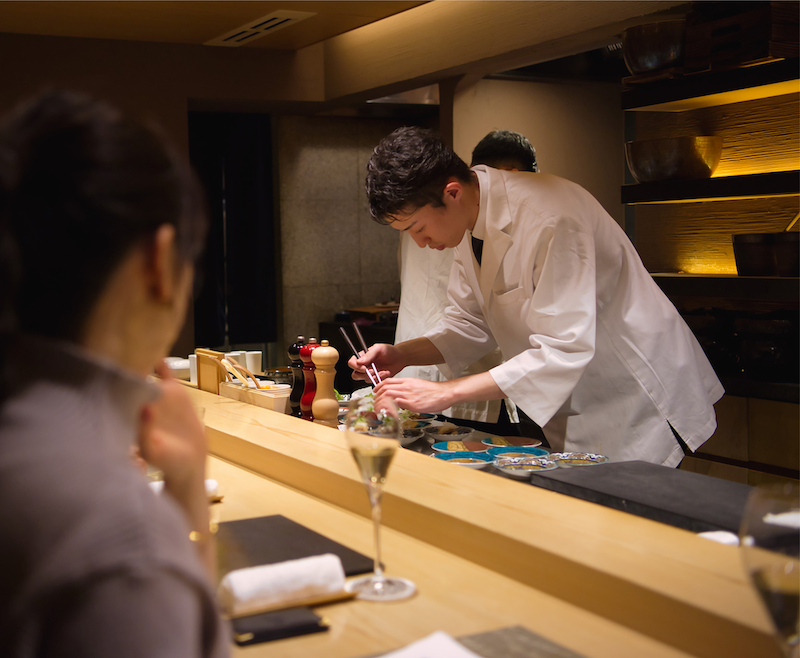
(310, 389)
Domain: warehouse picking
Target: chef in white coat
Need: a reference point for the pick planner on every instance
(594, 351)
(424, 275)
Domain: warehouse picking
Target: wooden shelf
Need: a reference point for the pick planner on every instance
(731, 286)
(781, 183)
(713, 88)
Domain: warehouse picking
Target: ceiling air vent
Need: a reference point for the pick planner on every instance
(259, 27)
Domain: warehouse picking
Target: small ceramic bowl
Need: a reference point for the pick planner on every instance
(570, 459)
(468, 459)
(409, 436)
(522, 468)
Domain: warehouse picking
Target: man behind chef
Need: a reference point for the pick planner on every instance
(424, 274)
(594, 352)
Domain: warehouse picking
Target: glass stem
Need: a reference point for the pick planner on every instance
(375, 498)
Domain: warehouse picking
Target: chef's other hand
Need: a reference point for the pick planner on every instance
(387, 359)
(418, 395)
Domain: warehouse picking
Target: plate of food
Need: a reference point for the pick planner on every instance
(416, 415)
(414, 424)
(518, 453)
(505, 441)
(468, 459)
(522, 468)
(409, 436)
(459, 446)
(570, 459)
(449, 431)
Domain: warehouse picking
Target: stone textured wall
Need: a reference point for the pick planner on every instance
(333, 255)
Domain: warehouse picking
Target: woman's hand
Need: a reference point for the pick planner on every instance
(173, 439)
(171, 436)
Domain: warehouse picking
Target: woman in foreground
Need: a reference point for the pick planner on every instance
(100, 223)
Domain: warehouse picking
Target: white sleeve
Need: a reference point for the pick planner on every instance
(560, 317)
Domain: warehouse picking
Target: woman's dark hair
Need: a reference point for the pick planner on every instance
(408, 170)
(505, 148)
(80, 185)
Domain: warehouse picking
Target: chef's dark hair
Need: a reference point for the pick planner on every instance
(505, 148)
(408, 170)
(80, 185)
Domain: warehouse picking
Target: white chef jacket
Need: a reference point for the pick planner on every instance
(424, 274)
(594, 352)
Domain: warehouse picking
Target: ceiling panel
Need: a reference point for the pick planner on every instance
(190, 22)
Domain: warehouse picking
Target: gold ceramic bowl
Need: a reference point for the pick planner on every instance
(673, 158)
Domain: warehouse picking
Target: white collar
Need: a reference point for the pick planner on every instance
(479, 230)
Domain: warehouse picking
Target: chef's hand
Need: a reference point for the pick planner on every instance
(424, 396)
(388, 359)
(418, 395)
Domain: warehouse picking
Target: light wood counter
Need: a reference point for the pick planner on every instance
(454, 594)
(635, 587)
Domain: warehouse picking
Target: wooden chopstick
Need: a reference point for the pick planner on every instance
(343, 331)
(366, 349)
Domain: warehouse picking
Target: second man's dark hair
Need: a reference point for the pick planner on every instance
(505, 148)
(408, 170)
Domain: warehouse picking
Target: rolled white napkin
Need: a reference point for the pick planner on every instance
(245, 591)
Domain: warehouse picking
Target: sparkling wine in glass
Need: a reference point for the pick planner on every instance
(770, 544)
(373, 437)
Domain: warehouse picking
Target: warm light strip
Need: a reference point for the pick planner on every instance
(714, 198)
(726, 97)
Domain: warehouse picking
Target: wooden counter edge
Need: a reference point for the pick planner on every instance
(314, 460)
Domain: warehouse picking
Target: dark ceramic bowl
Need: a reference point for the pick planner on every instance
(653, 46)
(673, 158)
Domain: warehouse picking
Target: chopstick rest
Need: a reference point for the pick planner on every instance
(306, 581)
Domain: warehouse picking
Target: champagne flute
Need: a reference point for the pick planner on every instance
(373, 437)
(770, 544)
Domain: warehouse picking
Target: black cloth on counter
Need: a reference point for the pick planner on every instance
(272, 539)
(692, 501)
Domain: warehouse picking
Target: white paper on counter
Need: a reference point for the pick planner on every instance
(437, 645)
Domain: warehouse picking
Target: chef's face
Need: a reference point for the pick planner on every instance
(441, 227)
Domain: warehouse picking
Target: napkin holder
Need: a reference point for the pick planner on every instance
(276, 399)
(210, 371)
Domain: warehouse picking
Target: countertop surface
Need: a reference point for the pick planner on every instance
(485, 551)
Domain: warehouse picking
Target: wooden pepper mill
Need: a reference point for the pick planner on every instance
(298, 383)
(310, 388)
(325, 407)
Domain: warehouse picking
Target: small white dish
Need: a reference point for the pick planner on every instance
(522, 468)
(573, 459)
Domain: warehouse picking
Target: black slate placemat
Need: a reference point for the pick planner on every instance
(691, 501)
(511, 642)
(271, 539)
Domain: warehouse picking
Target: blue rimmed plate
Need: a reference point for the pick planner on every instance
(511, 442)
(520, 452)
(468, 459)
(459, 447)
